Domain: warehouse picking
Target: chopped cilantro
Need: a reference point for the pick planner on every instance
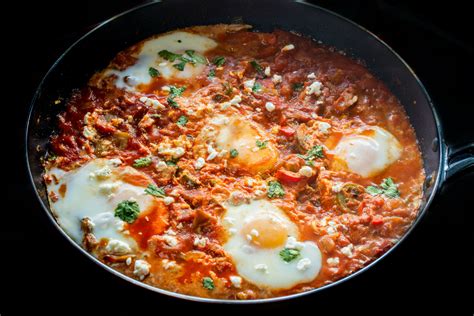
(387, 188)
(218, 61)
(212, 73)
(297, 86)
(260, 144)
(153, 72)
(275, 189)
(258, 68)
(175, 92)
(234, 153)
(127, 211)
(155, 191)
(142, 162)
(256, 87)
(165, 54)
(289, 255)
(208, 283)
(182, 120)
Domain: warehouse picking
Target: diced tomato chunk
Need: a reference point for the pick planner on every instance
(377, 220)
(287, 131)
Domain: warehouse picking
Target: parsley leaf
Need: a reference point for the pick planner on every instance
(172, 162)
(260, 144)
(234, 153)
(275, 189)
(194, 58)
(174, 92)
(153, 72)
(289, 255)
(155, 191)
(212, 73)
(258, 68)
(142, 162)
(256, 87)
(208, 283)
(218, 61)
(387, 188)
(297, 86)
(127, 211)
(315, 152)
(165, 54)
(180, 65)
(182, 120)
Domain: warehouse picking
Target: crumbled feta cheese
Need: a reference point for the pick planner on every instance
(261, 267)
(162, 64)
(314, 88)
(292, 243)
(165, 88)
(101, 173)
(220, 120)
(276, 79)
(333, 261)
(168, 264)
(331, 230)
(174, 152)
(270, 106)
(306, 171)
(200, 241)
(236, 281)
(212, 155)
(117, 247)
(170, 240)
(267, 71)
(254, 232)
(161, 165)
(141, 269)
(288, 47)
(89, 132)
(199, 163)
(258, 193)
(347, 250)
(324, 127)
(152, 102)
(128, 261)
(170, 231)
(337, 187)
(236, 100)
(249, 84)
(311, 76)
(178, 152)
(168, 200)
(303, 264)
(108, 188)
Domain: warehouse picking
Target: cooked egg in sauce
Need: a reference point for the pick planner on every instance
(219, 162)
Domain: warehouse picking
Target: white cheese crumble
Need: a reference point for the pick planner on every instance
(128, 261)
(170, 240)
(168, 264)
(108, 188)
(311, 76)
(276, 79)
(199, 163)
(115, 162)
(261, 267)
(314, 88)
(324, 127)
(267, 71)
(235, 101)
(249, 84)
(200, 241)
(306, 171)
(101, 173)
(333, 261)
(117, 247)
(303, 264)
(141, 269)
(236, 281)
(174, 152)
(89, 132)
(347, 250)
(288, 47)
(168, 200)
(292, 243)
(153, 103)
(270, 106)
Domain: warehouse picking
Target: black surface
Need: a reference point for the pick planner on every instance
(432, 269)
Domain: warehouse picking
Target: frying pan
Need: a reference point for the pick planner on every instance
(95, 49)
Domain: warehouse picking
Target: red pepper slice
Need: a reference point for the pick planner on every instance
(377, 220)
(287, 131)
(288, 176)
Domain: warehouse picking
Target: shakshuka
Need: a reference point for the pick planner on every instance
(220, 162)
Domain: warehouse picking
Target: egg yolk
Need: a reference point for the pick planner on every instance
(266, 232)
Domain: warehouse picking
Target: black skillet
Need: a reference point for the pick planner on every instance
(94, 50)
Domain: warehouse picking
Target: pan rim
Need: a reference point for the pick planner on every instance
(441, 148)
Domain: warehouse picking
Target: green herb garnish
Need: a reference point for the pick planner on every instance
(153, 72)
(208, 283)
(218, 61)
(227, 87)
(172, 162)
(387, 188)
(275, 189)
(175, 92)
(155, 191)
(165, 54)
(298, 86)
(127, 211)
(258, 68)
(289, 255)
(212, 73)
(191, 58)
(234, 153)
(256, 87)
(260, 144)
(142, 162)
(315, 152)
(180, 66)
(182, 120)
(194, 58)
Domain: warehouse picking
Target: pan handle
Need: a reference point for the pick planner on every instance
(459, 159)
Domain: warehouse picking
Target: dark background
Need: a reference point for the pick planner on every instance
(432, 270)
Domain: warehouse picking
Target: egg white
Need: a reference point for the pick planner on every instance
(370, 152)
(249, 258)
(176, 42)
(94, 192)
